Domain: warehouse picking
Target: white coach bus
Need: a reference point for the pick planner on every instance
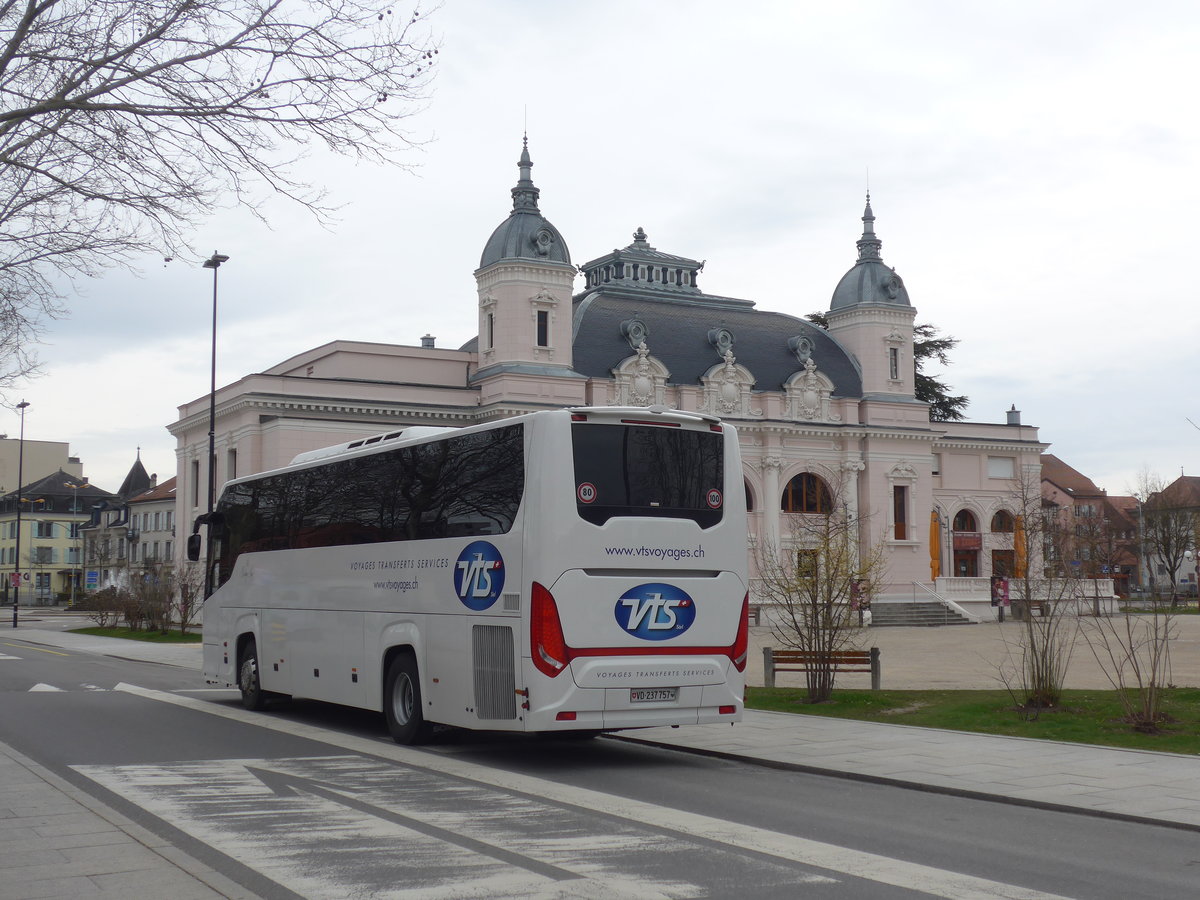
(570, 570)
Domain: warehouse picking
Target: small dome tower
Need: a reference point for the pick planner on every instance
(525, 281)
(871, 315)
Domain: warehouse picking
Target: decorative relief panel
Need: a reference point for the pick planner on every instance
(640, 380)
(727, 389)
(808, 396)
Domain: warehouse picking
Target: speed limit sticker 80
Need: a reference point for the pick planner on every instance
(586, 492)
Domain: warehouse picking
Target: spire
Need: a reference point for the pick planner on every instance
(525, 195)
(869, 244)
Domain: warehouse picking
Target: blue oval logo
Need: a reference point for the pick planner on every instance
(655, 612)
(479, 575)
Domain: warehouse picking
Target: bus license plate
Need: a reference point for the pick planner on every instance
(652, 695)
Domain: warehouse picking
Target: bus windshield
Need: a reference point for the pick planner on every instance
(647, 471)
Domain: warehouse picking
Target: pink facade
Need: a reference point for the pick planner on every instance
(837, 403)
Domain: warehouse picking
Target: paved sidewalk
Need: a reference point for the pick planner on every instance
(1143, 786)
(59, 842)
(1131, 784)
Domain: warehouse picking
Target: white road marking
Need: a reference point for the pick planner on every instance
(45, 687)
(6, 656)
(92, 687)
(331, 827)
(855, 863)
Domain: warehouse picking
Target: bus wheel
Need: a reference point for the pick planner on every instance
(402, 702)
(253, 696)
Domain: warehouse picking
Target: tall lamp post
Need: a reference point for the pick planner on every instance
(22, 406)
(214, 263)
(78, 570)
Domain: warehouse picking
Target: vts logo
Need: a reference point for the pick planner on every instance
(479, 575)
(655, 612)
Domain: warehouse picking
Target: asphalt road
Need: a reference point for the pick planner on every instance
(310, 800)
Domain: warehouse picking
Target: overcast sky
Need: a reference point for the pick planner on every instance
(1032, 168)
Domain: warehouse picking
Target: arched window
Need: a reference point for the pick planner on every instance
(749, 496)
(806, 493)
(1002, 522)
(965, 520)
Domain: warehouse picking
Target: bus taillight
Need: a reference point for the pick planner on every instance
(547, 644)
(741, 644)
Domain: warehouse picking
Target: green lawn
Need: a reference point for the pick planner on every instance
(157, 637)
(1086, 717)
(1185, 608)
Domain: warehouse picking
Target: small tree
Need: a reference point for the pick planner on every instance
(1035, 671)
(815, 582)
(153, 591)
(189, 595)
(103, 606)
(1134, 650)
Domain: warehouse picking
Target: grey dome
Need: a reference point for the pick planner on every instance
(526, 233)
(870, 282)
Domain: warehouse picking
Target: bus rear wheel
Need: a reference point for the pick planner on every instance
(253, 696)
(402, 702)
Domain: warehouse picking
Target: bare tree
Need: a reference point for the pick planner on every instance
(152, 592)
(123, 120)
(815, 581)
(1169, 524)
(1035, 670)
(1134, 650)
(189, 594)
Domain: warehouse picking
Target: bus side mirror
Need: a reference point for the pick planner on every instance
(193, 547)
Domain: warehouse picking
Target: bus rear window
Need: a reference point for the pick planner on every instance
(648, 471)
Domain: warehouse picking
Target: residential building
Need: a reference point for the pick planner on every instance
(54, 509)
(110, 537)
(34, 460)
(1091, 534)
(151, 530)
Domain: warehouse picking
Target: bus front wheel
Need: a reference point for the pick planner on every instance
(402, 702)
(253, 696)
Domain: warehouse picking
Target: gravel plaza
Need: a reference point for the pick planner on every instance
(969, 657)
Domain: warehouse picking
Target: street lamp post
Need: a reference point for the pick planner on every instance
(214, 263)
(78, 569)
(22, 406)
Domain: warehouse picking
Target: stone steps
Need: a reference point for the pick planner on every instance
(924, 613)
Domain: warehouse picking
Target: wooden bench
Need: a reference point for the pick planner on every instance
(1036, 607)
(802, 660)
